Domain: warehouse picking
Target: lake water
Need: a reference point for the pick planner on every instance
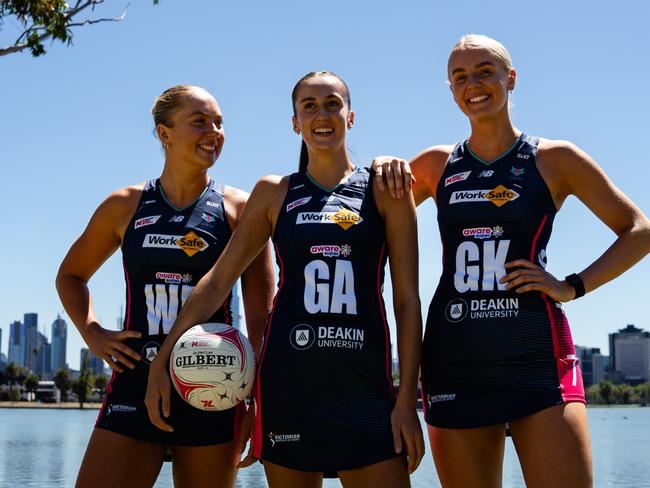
(43, 448)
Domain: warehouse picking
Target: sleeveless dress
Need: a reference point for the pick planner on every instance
(324, 386)
(491, 355)
(165, 253)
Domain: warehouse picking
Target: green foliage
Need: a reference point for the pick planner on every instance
(63, 382)
(100, 383)
(643, 393)
(46, 19)
(606, 390)
(83, 385)
(622, 394)
(11, 373)
(14, 394)
(31, 383)
(593, 394)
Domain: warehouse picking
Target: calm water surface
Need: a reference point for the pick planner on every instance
(43, 448)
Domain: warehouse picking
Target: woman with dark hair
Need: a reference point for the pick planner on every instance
(324, 392)
(171, 230)
(497, 348)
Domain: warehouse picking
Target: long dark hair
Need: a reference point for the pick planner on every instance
(304, 154)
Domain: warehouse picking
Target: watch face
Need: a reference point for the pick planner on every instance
(576, 282)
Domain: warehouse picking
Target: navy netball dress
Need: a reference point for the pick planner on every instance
(166, 251)
(324, 386)
(491, 355)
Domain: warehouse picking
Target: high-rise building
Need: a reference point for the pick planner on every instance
(629, 350)
(44, 358)
(59, 344)
(31, 340)
(17, 344)
(2, 356)
(592, 364)
(93, 362)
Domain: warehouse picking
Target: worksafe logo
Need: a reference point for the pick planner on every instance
(343, 218)
(501, 195)
(498, 196)
(190, 243)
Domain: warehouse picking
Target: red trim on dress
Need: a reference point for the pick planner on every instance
(536, 238)
(568, 370)
(382, 309)
(127, 323)
(109, 389)
(257, 451)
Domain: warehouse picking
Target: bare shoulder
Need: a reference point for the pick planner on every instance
(271, 187)
(120, 205)
(563, 156)
(113, 215)
(427, 167)
(432, 160)
(269, 193)
(435, 154)
(235, 197)
(564, 162)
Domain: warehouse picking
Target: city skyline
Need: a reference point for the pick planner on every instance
(57, 351)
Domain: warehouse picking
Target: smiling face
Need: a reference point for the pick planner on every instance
(195, 134)
(322, 113)
(479, 82)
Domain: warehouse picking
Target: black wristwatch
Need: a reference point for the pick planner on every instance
(576, 282)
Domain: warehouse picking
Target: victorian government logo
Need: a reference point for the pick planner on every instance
(456, 310)
(302, 337)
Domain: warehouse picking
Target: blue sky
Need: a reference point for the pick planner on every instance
(75, 124)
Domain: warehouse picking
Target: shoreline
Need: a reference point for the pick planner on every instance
(98, 405)
(57, 406)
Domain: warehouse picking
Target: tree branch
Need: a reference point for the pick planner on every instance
(57, 28)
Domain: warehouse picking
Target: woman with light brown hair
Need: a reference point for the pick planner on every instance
(171, 230)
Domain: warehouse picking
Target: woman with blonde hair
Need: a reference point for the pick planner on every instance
(497, 350)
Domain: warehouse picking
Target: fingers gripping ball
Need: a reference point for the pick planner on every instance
(212, 366)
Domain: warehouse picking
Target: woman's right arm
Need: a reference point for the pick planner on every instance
(421, 175)
(96, 244)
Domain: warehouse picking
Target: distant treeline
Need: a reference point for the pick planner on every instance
(82, 386)
(607, 393)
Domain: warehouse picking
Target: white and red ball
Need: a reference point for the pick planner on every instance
(212, 366)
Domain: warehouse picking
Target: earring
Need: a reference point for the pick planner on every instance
(167, 146)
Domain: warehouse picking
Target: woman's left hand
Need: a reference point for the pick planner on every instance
(246, 433)
(531, 277)
(158, 395)
(407, 431)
